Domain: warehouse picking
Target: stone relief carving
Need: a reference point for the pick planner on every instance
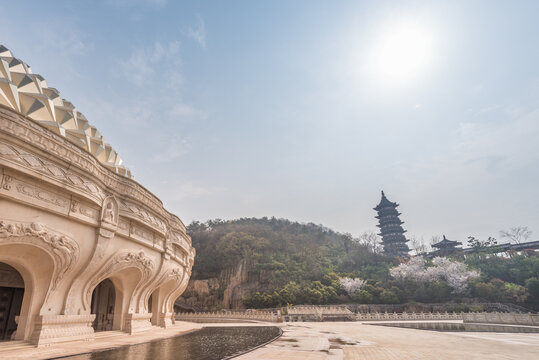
(36, 163)
(7, 182)
(179, 241)
(22, 127)
(77, 207)
(65, 251)
(124, 225)
(142, 214)
(118, 263)
(19, 126)
(176, 273)
(168, 242)
(63, 175)
(141, 233)
(109, 211)
(42, 195)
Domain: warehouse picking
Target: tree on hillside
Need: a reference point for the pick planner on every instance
(370, 240)
(417, 245)
(479, 244)
(516, 235)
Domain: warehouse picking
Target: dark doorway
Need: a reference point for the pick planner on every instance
(11, 294)
(103, 299)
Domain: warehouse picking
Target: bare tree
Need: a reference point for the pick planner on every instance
(370, 240)
(418, 246)
(517, 235)
(434, 239)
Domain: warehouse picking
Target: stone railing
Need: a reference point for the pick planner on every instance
(236, 315)
(341, 313)
(407, 316)
(318, 310)
(502, 318)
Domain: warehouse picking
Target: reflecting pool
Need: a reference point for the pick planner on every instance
(211, 343)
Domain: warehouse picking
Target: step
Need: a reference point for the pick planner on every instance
(15, 345)
(108, 334)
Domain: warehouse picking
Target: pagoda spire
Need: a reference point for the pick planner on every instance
(391, 231)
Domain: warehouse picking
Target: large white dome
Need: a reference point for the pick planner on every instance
(29, 94)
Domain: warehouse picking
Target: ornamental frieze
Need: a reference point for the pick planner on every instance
(36, 163)
(63, 250)
(19, 126)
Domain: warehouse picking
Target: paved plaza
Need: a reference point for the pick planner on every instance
(328, 340)
(351, 341)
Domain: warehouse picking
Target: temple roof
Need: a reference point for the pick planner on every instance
(384, 202)
(446, 243)
(29, 94)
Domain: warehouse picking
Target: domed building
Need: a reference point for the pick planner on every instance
(83, 246)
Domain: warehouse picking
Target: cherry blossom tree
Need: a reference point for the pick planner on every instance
(455, 273)
(351, 285)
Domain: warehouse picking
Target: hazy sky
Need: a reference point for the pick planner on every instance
(307, 109)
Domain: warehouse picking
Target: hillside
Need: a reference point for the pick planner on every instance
(288, 261)
(269, 262)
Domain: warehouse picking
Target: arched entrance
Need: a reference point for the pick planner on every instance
(103, 304)
(11, 295)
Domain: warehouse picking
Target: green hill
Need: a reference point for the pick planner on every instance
(288, 261)
(271, 262)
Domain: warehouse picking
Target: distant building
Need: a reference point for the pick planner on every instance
(391, 231)
(445, 247)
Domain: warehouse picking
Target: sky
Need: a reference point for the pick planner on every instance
(306, 110)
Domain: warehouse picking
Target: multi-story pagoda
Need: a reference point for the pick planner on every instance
(445, 247)
(391, 231)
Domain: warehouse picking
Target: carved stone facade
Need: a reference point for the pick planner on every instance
(68, 223)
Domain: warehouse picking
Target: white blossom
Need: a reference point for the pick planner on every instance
(455, 273)
(351, 285)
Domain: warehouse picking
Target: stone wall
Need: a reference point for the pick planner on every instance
(502, 318)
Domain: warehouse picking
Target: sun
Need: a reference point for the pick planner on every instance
(401, 52)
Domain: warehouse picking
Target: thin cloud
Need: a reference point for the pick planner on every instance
(185, 112)
(145, 63)
(198, 32)
(130, 3)
(173, 151)
(189, 189)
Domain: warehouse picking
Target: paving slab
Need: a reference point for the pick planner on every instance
(325, 341)
(386, 343)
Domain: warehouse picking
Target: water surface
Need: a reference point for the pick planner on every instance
(211, 343)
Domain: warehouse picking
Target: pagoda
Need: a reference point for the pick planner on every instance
(445, 247)
(391, 231)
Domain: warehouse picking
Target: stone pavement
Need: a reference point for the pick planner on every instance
(324, 341)
(353, 340)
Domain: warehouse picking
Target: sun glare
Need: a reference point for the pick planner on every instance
(401, 52)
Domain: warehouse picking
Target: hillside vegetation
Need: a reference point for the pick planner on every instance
(286, 262)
